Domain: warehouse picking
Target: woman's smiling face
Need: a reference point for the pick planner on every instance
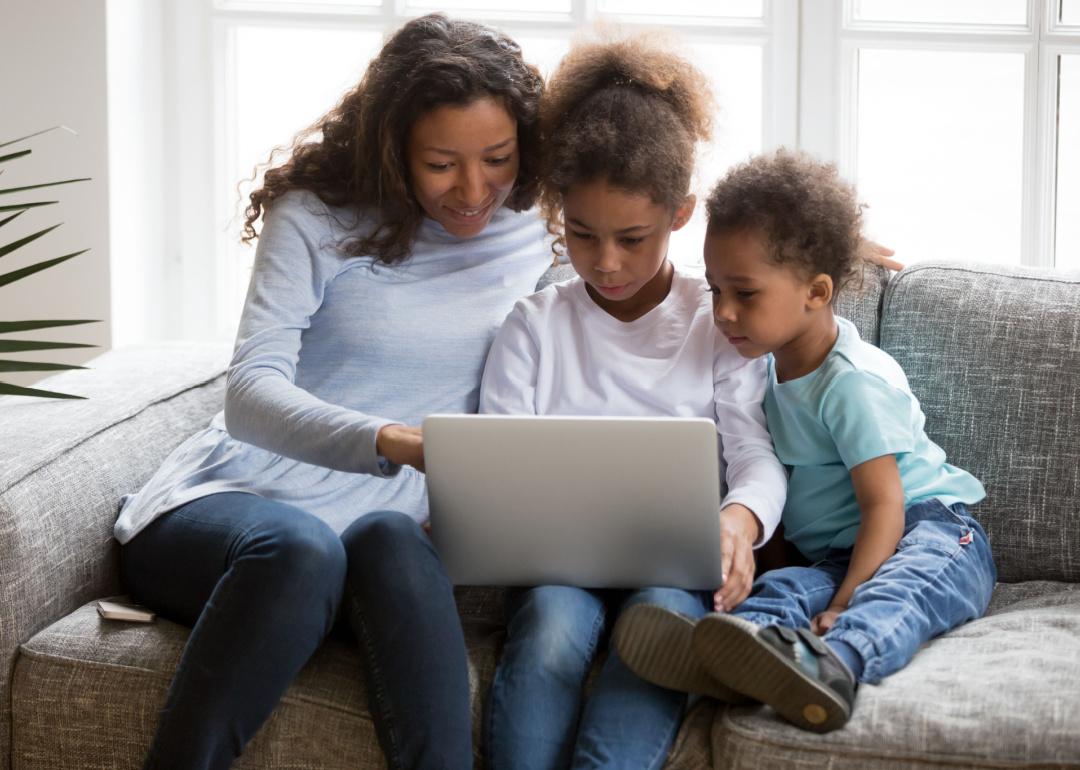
(463, 161)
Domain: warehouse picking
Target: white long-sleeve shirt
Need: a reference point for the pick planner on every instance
(559, 353)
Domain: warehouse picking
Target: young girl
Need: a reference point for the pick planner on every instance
(897, 558)
(632, 335)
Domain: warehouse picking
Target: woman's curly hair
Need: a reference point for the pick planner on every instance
(628, 111)
(355, 155)
(810, 217)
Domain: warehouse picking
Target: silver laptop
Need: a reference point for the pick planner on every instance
(597, 502)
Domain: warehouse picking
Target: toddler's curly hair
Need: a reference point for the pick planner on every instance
(809, 216)
(626, 110)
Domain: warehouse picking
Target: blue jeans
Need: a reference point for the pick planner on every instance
(535, 717)
(261, 583)
(941, 575)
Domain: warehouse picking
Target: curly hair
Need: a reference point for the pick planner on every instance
(355, 155)
(628, 111)
(809, 216)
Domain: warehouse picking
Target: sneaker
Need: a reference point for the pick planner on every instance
(655, 643)
(793, 671)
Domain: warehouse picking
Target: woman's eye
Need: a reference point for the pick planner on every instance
(582, 236)
(498, 161)
(632, 241)
(438, 166)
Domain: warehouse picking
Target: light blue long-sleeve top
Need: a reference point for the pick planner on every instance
(331, 348)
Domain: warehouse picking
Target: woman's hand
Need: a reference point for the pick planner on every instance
(739, 530)
(876, 254)
(401, 445)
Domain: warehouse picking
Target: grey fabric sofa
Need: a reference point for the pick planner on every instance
(994, 355)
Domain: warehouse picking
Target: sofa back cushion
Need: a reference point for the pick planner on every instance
(993, 354)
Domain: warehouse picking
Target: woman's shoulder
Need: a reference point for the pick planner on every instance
(306, 209)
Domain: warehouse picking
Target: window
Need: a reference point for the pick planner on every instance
(954, 121)
(959, 121)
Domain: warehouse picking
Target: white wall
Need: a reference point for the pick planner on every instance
(53, 71)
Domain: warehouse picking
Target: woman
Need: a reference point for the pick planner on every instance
(394, 243)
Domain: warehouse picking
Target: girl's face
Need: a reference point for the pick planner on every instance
(758, 305)
(617, 242)
(463, 160)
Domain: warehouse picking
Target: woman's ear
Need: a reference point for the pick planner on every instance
(820, 291)
(684, 212)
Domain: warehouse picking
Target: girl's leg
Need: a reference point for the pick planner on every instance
(402, 610)
(535, 701)
(942, 575)
(628, 722)
(261, 582)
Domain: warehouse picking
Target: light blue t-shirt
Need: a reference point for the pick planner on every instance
(854, 407)
(332, 347)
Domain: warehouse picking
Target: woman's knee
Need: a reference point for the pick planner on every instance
(304, 555)
(377, 533)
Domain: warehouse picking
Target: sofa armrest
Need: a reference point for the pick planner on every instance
(63, 468)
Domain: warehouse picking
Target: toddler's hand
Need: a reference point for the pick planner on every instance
(823, 621)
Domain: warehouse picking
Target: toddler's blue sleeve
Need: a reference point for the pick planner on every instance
(868, 417)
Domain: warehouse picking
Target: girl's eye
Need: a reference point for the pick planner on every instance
(713, 291)
(745, 294)
(498, 161)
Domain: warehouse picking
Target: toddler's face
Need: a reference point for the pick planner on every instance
(758, 305)
(618, 241)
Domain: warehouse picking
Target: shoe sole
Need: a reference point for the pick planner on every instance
(655, 643)
(730, 649)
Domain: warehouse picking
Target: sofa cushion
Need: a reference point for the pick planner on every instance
(87, 693)
(1000, 692)
(993, 354)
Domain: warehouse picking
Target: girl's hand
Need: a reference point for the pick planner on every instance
(739, 529)
(401, 445)
(876, 254)
(823, 621)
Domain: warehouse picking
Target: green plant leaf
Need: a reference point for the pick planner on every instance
(39, 133)
(15, 275)
(15, 390)
(20, 346)
(7, 190)
(25, 326)
(13, 156)
(34, 366)
(13, 216)
(20, 207)
(5, 250)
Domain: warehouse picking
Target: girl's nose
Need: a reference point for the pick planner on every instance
(607, 258)
(723, 309)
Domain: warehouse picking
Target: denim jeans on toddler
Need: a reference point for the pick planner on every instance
(942, 575)
(535, 718)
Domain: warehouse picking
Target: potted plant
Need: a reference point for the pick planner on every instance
(10, 210)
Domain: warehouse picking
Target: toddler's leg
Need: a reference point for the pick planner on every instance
(792, 596)
(535, 701)
(628, 722)
(942, 575)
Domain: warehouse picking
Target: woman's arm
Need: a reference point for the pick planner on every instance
(881, 504)
(263, 405)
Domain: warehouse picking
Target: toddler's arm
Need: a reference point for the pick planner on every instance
(881, 505)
